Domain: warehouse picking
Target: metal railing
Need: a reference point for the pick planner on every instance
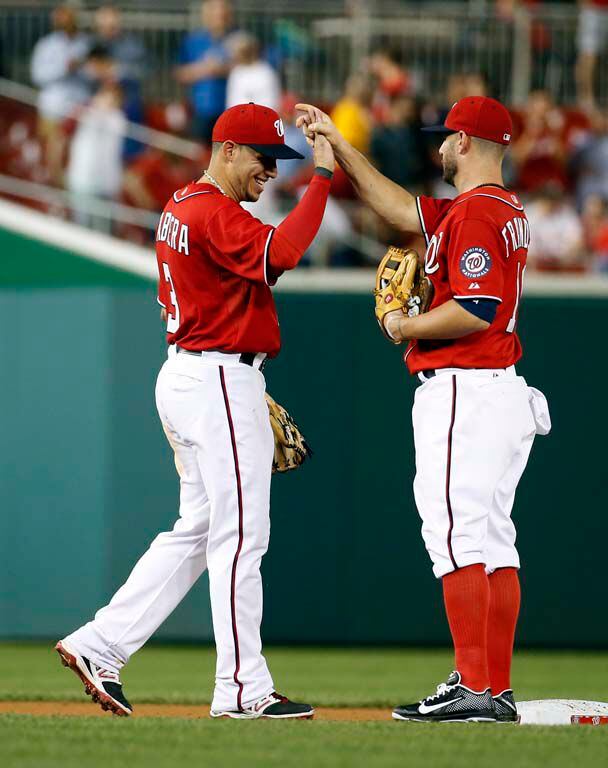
(98, 213)
(166, 142)
(90, 210)
(316, 46)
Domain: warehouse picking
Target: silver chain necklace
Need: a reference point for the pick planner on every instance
(215, 183)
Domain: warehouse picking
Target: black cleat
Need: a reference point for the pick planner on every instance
(102, 685)
(274, 707)
(506, 711)
(452, 703)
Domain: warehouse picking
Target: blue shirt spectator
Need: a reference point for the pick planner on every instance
(126, 51)
(208, 95)
(205, 63)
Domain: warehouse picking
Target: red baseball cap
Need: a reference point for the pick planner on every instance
(478, 116)
(258, 127)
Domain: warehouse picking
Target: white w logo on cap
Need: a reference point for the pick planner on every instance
(278, 124)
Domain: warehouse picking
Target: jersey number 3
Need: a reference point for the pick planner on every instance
(172, 320)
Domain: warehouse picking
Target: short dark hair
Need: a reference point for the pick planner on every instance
(490, 147)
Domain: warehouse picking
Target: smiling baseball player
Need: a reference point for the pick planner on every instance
(216, 264)
(474, 418)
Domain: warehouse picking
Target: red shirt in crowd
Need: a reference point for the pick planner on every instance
(477, 245)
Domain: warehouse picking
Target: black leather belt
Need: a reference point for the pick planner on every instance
(430, 372)
(247, 358)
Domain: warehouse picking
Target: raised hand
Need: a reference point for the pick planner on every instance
(314, 121)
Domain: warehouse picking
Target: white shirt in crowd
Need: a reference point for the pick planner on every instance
(60, 89)
(257, 82)
(95, 166)
(557, 233)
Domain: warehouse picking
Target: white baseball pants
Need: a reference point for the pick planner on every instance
(215, 416)
(473, 432)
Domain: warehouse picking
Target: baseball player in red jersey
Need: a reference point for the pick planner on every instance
(216, 264)
(474, 418)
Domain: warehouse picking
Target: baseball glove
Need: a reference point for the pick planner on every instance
(290, 446)
(401, 284)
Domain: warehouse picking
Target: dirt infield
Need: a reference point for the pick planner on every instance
(191, 712)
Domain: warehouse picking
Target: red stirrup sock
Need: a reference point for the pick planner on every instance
(505, 598)
(466, 594)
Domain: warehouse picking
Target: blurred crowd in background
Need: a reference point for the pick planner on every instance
(90, 95)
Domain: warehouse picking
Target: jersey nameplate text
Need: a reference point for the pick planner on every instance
(173, 232)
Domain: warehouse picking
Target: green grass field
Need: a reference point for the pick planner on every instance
(325, 677)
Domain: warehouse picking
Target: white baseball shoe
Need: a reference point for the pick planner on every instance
(274, 707)
(102, 685)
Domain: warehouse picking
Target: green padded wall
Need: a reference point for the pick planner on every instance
(87, 479)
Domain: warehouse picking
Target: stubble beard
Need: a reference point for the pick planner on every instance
(449, 171)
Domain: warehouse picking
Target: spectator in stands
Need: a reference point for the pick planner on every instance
(591, 38)
(589, 161)
(539, 152)
(390, 79)
(546, 58)
(57, 70)
(595, 225)
(128, 55)
(154, 175)
(205, 64)
(95, 166)
(557, 234)
(352, 115)
(251, 78)
(475, 84)
(397, 145)
(384, 64)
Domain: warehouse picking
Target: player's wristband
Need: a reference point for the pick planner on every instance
(319, 171)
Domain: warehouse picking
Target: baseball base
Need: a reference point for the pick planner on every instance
(563, 712)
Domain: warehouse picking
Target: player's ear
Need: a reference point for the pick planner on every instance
(464, 143)
(229, 149)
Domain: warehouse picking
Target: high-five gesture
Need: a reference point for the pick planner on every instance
(390, 201)
(314, 121)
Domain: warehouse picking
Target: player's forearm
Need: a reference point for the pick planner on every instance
(390, 201)
(295, 233)
(448, 321)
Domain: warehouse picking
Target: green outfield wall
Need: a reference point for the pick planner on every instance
(87, 478)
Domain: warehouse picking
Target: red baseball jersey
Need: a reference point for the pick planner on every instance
(213, 274)
(477, 245)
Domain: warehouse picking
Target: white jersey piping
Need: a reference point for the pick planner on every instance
(266, 250)
(191, 194)
(494, 197)
(478, 296)
(422, 224)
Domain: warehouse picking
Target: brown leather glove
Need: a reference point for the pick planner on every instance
(401, 283)
(290, 446)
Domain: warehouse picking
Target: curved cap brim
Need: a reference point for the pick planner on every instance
(278, 151)
(438, 129)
